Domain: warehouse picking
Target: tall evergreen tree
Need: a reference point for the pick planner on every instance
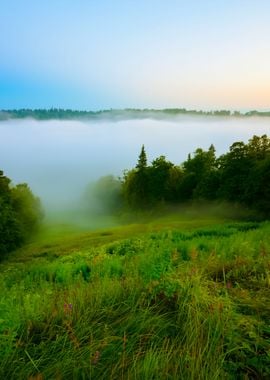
(142, 161)
(136, 183)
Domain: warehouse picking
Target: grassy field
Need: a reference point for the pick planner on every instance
(182, 296)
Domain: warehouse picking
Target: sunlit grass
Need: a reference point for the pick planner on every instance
(173, 297)
(57, 237)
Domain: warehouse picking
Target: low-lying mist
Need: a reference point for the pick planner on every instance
(58, 159)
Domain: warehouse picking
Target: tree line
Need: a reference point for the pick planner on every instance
(119, 114)
(20, 214)
(242, 175)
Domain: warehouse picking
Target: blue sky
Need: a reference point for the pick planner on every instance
(116, 54)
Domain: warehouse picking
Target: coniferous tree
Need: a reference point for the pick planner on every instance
(141, 185)
(136, 183)
(142, 161)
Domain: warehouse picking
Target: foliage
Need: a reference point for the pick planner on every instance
(241, 176)
(136, 190)
(104, 196)
(20, 214)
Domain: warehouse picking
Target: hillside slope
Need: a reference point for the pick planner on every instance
(168, 299)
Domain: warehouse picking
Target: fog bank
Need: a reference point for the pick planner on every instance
(59, 158)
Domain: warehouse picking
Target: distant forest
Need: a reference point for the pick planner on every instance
(114, 114)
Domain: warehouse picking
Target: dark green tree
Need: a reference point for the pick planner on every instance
(28, 209)
(234, 170)
(136, 184)
(257, 188)
(159, 175)
(200, 179)
(142, 161)
(20, 214)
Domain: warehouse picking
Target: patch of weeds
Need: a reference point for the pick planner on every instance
(125, 247)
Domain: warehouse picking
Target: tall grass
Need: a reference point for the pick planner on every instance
(173, 304)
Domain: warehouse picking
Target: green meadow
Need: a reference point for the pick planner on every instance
(134, 190)
(181, 295)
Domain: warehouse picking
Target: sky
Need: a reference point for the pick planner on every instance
(85, 54)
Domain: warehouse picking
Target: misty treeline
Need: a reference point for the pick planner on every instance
(20, 214)
(119, 114)
(242, 175)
